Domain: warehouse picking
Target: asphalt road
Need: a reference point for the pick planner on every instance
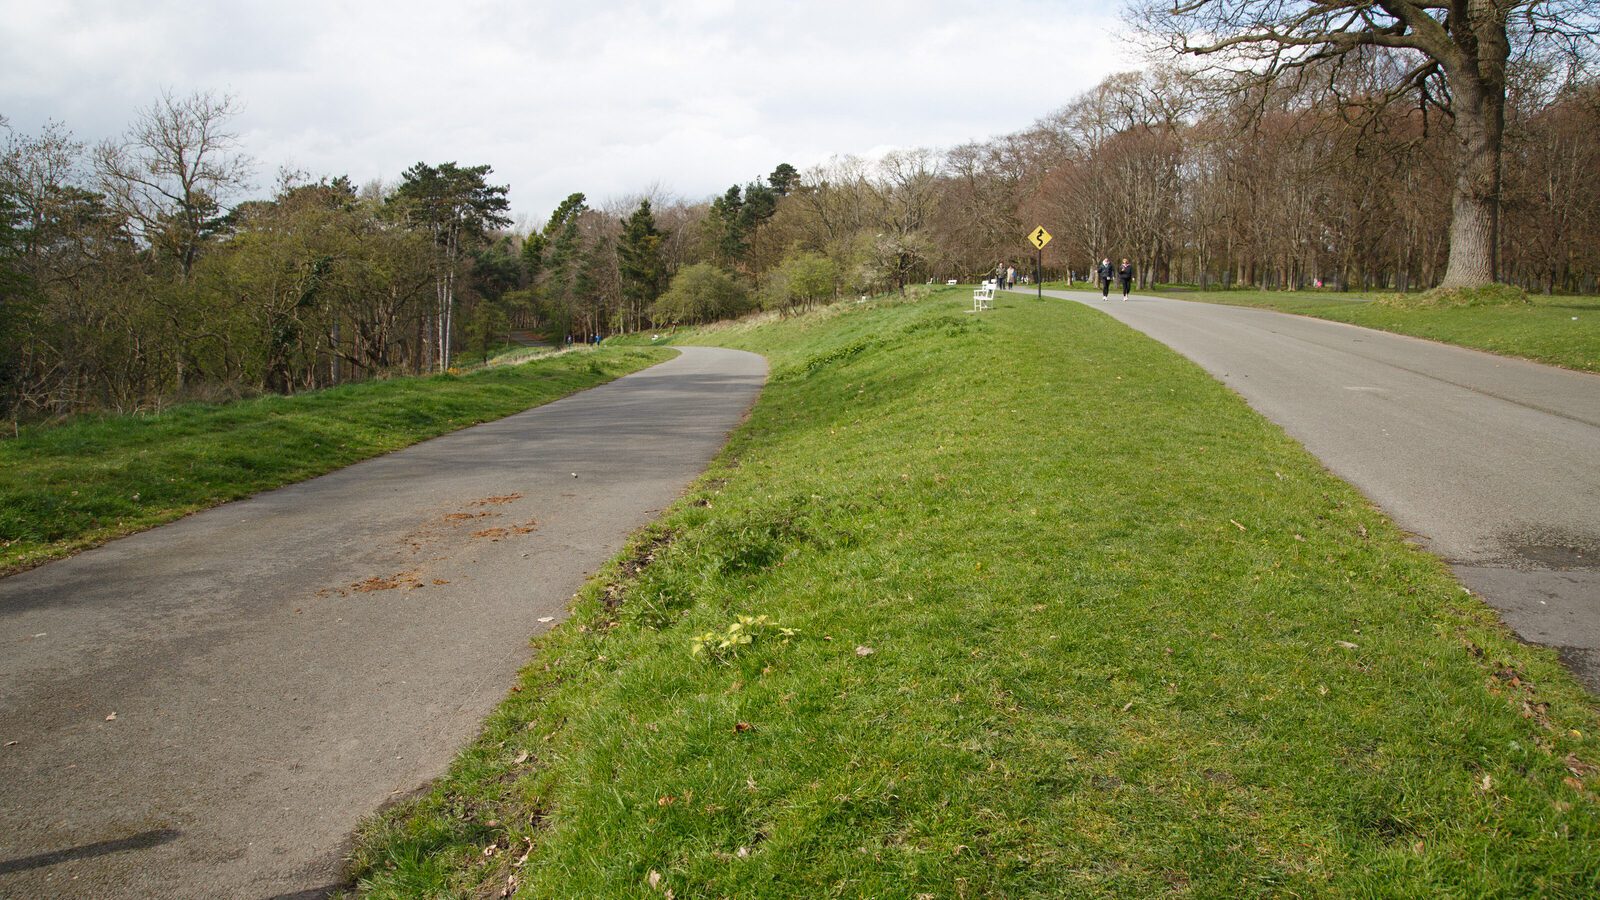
(1492, 463)
(207, 709)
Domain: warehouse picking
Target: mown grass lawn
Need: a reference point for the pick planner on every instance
(1068, 620)
(71, 486)
(1561, 331)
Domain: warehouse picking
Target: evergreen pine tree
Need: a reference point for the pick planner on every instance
(639, 261)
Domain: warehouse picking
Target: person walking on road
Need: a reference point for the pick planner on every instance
(1105, 274)
(1125, 275)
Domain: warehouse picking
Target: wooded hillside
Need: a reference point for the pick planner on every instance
(139, 271)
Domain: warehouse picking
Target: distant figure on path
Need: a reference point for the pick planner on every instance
(1105, 274)
(1125, 275)
(1011, 277)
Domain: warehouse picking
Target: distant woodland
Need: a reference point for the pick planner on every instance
(148, 269)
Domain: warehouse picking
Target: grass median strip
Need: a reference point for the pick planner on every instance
(1019, 604)
(64, 488)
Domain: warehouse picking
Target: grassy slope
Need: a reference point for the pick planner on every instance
(73, 486)
(1126, 637)
(1561, 331)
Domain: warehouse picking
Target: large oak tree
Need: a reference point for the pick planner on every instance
(1454, 57)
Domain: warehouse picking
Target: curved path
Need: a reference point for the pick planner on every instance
(279, 667)
(1494, 463)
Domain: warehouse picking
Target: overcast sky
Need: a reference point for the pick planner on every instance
(605, 97)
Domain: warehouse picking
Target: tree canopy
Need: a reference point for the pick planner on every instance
(701, 293)
(1450, 55)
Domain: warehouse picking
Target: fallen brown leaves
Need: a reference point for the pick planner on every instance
(630, 568)
(1503, 680)
(496, 501)
(407, 580)
(497, 532)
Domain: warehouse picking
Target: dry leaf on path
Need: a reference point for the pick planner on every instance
(495, 501)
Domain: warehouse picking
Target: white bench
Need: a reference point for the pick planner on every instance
(983, 297)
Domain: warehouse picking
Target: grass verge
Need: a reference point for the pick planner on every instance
(1048, 612)
(64, 488)
(1560, 331)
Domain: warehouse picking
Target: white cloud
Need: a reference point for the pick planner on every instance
(606, 97)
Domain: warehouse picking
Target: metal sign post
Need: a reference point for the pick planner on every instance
(1039, 238)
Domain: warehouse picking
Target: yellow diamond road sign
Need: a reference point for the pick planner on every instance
(1040, 237)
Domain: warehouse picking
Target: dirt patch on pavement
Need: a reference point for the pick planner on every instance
(497, 501)
(406, 580)
(495, 534)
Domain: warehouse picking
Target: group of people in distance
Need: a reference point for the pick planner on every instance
(1123, 273)
(1005, 277)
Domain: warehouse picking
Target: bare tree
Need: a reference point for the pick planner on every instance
(174, 170)
(1454, 56)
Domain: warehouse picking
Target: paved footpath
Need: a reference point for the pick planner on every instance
(1493, 463)
(207, 709)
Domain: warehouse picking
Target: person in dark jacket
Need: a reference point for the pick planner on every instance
(1106, 273)
(1125, 275)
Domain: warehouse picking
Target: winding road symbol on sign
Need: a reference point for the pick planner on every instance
(1040, 237)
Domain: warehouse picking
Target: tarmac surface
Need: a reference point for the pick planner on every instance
(1492, 463)
(208, 709)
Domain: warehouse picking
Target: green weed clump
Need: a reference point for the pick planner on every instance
(723, 646)
(1072, 621)
(67, 487)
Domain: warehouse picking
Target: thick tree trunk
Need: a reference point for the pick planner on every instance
(1475, 207)
(1477, 74)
